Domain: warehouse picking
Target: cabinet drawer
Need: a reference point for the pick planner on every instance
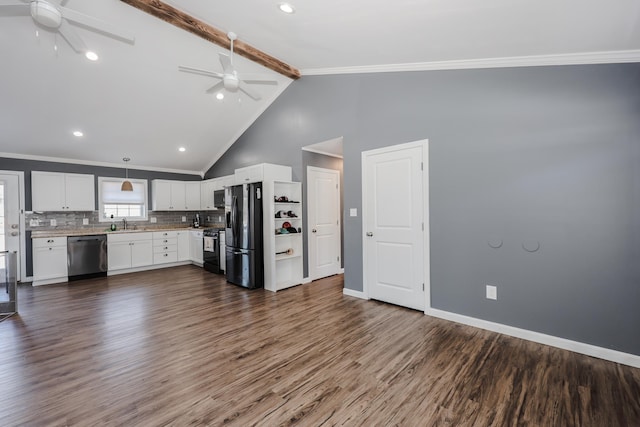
(43, 242)
(128, 237)
(162, 258)
(166, 241)
(165, 248)
(164, 234)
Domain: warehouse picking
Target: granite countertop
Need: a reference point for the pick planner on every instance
(102, 230)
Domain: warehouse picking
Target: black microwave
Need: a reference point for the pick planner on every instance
(218, 199)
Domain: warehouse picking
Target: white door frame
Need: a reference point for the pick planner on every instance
(309, 226)
(424, 143)
(22, 268)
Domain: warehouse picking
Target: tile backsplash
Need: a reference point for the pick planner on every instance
(74, 220)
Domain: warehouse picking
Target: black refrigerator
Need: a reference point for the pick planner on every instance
(243, 235)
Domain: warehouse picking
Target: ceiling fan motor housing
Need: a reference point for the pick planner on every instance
(44, 13)
(231, 82)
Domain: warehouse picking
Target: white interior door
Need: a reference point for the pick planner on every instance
(323, 219)
(394, 195)
(10, 224)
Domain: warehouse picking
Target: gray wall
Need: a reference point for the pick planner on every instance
(541, 154)
(327, 162)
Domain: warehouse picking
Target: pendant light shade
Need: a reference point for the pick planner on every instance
(126, 184)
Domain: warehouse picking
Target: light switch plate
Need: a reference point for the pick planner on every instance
(353, 212)
(53, 222)
(184, 219)
(85, 221)
(153, 220)
(492, 292)
(33, 223)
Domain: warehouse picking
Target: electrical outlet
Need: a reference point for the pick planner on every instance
(53, 222)
(184, 219)
(85, 221)
(492, 292)
(353, 212)
(153, 220)
(33, 223)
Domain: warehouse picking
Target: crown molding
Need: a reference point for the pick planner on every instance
(609, 57)
(92, 163)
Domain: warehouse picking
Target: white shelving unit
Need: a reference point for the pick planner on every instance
(282, 246)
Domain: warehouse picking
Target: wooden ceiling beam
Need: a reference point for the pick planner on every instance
(182, 20)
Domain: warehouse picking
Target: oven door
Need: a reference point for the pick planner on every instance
(211, 253)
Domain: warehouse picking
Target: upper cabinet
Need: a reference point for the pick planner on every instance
(53, 191)
(262, 172)
(169, 195)
(209, 186)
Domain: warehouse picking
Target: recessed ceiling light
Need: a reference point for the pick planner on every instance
(182, 149)
(77, 133)
(91, 56)
(220, 96)
(286, 8)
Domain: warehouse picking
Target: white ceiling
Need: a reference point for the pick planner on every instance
(133, 102)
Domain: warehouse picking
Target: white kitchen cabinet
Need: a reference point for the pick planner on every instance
(129, 250)
(184, 245)
(282, 249)
(192, 195)
(195, 243)
(165, 247)
(169, 195)
(262, 172)
(49, 260)
(207, 188)
(53, 191)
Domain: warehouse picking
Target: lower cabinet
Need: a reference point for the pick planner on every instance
(184, 249)
(49, 260)
(129, 250)
(196, 252)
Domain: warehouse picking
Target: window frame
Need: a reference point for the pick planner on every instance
(101, 204)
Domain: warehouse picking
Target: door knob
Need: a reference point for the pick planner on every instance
(14, 233)
(14, 226)
(314, 230)
(369, 234)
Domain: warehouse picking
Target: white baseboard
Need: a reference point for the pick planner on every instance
(565, 344)
(341, 271)
(306, 280)
(352, 293)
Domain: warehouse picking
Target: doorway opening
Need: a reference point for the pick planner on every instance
(322, 167)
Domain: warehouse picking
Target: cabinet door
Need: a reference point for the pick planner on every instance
(206, 194)
(49, 262)
(249, 174)
(178, 197)
(161, 195)
(118, 255)
(141, 253)
(184, 253)
(80, 192)
(196, 247)
(47, 191)
(192, 195)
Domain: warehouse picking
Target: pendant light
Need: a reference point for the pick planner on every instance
(126, 184)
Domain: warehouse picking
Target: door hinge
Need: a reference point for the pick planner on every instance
(336, 186)
(421, 166)
(423, 226)
(423, 287)
(338, 258)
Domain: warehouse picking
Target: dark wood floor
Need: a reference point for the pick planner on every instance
(181, 347)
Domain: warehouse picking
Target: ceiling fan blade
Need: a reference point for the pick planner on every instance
(226, 64)
(15, 9)
(200, 71)
(215, 87)
(260, 82)
(97, 25)
(253, 94)
(63, 2)
(72, 37)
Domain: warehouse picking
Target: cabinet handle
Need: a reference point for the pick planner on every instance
(369, 234)
(50, 248)
(313, 231)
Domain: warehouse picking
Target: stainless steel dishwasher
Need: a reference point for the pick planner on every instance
(86, 256)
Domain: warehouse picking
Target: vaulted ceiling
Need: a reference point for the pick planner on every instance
(133, 102)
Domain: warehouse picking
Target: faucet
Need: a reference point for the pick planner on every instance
(124, 223)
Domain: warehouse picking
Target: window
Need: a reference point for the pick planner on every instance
(116, 204)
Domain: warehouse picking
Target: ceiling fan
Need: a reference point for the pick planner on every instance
(229, 78)
(56, 17)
